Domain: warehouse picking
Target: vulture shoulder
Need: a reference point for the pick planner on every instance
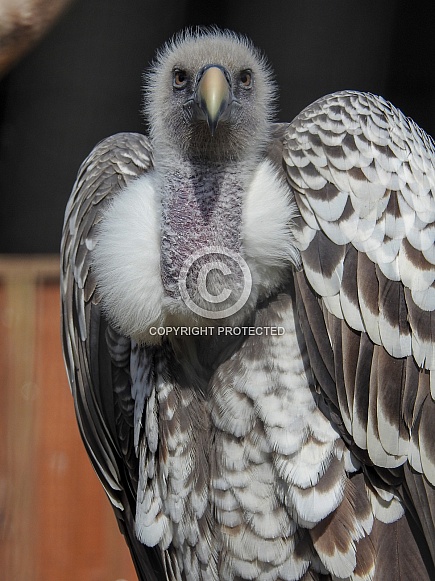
(363, 178)
(98, 359)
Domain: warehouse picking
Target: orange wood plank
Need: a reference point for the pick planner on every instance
(17, 470)
(82, 539)
(55, 520)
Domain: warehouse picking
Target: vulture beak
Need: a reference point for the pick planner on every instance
(213, 95)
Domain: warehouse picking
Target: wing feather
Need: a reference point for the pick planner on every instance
(364, 183)
(361, 392)
(97, 358)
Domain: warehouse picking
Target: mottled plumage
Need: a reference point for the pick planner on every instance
(293, 438)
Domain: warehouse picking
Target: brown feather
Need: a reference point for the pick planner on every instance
(397, 554)
(361, 391)
(323, 257)
(334, 326)
(313, 327)
(391, 378)
(422, 497)
(411, 391)
(368, 293)
(339, 537)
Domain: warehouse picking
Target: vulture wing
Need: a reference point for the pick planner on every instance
(363, 176)
(97, 358)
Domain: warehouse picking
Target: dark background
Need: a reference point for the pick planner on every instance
(83, 83)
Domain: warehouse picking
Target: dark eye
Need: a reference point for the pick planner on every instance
(180, 79)
(246, 79)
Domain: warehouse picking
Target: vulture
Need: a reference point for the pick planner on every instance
(248, 327)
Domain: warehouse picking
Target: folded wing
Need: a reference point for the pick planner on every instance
(97, 358)
(364, 180)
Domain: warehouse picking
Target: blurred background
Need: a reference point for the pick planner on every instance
(83, 82)
(71, 74)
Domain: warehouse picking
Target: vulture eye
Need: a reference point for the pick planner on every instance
(246, 79)
(180, 79)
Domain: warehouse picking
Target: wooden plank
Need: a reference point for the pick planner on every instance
(55, 520)
(17, 472)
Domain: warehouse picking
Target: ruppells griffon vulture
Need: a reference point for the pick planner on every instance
(248, 327)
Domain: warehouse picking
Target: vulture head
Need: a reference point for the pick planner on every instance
(210, 96)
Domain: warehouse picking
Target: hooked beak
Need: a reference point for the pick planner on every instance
(213, 96)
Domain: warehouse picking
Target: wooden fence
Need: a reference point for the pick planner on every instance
(55, 522)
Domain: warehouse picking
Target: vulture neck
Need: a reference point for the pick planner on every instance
(201, 208)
